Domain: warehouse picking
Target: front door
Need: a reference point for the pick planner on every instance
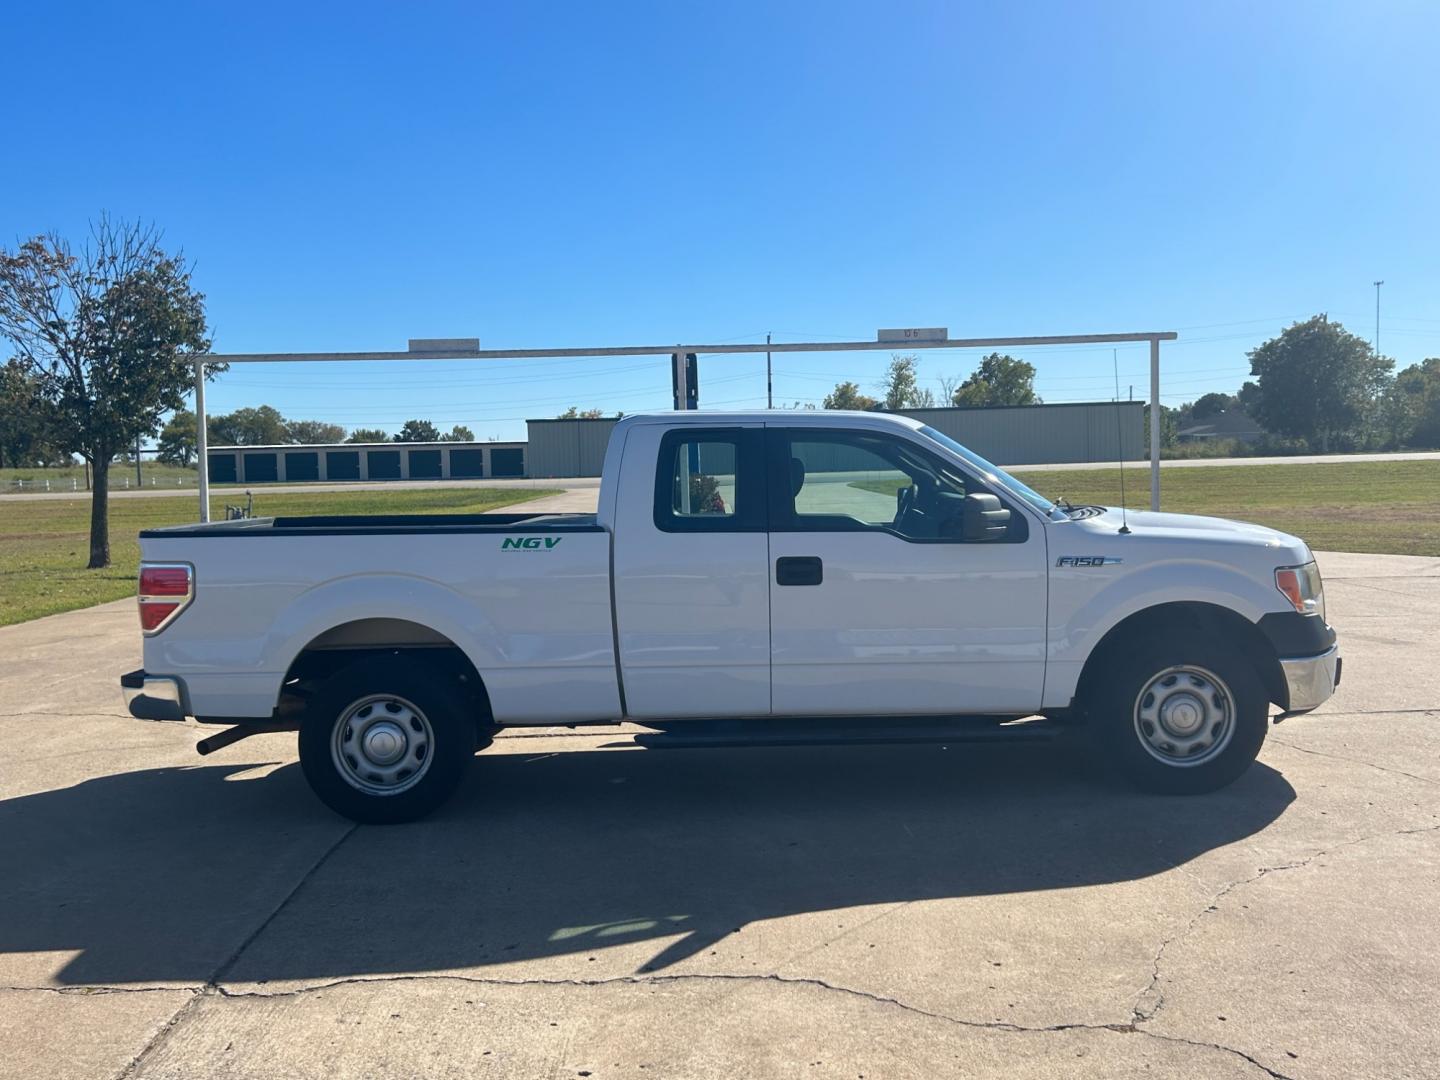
(876, 604)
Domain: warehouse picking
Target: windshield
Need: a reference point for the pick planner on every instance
(994, 473)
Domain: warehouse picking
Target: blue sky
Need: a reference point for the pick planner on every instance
(345, 177)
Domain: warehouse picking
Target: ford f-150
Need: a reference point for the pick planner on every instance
(785, 572)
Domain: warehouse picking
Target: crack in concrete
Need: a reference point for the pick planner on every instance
(69, 714)
(1141, 1014)
(773, 979)
(1356, 761)
(213, 988)
(98, 991)
(210, 988)
(1345, 714)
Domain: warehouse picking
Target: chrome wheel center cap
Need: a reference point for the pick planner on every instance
(384, 742)
(1183, 714)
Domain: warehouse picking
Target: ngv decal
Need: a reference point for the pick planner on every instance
(1086, 560)
(529, 543)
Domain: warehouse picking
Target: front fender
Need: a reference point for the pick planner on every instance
(1086, 604)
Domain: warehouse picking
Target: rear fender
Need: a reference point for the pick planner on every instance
(381, 596)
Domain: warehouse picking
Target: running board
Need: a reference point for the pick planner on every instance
(820, 733)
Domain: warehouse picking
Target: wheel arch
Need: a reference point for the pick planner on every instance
(1191, 617)
(347, 643)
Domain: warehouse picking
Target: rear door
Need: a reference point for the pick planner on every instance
(875, 605)
(691, 572)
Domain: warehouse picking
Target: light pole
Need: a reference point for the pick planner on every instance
(1377, 316)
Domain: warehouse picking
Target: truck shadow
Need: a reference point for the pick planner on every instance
(162, 874)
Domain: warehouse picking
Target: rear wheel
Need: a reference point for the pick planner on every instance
(1183, 716)
(385, 740)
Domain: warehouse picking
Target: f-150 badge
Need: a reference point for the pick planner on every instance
(1086, 560)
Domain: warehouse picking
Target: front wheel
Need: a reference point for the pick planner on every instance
(1179, 717)
(385, 741)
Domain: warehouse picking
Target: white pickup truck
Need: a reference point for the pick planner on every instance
(788, 577)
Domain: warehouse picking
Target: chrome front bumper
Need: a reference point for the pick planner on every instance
(152, 697)
(1310, 680)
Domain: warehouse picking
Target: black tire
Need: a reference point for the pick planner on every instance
(1129, 735)
(417, 709)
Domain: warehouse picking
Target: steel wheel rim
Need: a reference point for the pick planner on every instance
(1185, 716)
(382, 745)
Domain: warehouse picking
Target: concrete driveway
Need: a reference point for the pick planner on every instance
(587, 909)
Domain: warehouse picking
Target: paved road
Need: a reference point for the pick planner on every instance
(593, 482)
(588, 909)
(1206, 463)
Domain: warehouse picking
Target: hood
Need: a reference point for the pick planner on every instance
(1193, 527)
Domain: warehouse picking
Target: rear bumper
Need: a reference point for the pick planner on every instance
(153, 697)
(1311, 680)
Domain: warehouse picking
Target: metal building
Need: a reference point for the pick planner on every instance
(567, 447)
(1045, 434)
(365, 461)
(1012, 435)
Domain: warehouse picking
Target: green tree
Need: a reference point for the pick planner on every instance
(1247, 397)
(1169, 425)
(418, 431)
(262, 426)
(1212, 404)
(27, 435)
(847, 395)
(901, 383)
(1412, 406)
(313, 432)
(999, 380)
(1318, 382)
(368, 435)
(460, 433)
(574, 413)
(107, 331)
(178, 444)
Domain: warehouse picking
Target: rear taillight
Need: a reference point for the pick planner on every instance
(166, 589)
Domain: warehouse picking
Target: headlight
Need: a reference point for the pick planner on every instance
(1302, 587)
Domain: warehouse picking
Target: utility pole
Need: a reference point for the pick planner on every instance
(1377, 316)
(769, 377)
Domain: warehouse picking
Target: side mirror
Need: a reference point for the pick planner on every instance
(983, 518)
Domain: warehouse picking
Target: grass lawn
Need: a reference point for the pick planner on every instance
(44, 543)
(1390, 507)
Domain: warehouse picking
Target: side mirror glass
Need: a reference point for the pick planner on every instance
(984, 518)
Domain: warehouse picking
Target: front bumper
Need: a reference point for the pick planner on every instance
(153, 697)
(1311, 680)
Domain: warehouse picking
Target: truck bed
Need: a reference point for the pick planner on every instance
(378, 524)
(526, 597)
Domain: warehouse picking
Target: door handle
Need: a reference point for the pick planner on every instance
(799, 570)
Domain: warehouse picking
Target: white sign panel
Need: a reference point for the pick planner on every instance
(914, 333)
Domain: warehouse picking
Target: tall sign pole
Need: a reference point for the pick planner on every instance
(677, 376)
(202, 451)
(769, 377)
(1154, 423)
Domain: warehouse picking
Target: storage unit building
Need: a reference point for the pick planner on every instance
(365, 461)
